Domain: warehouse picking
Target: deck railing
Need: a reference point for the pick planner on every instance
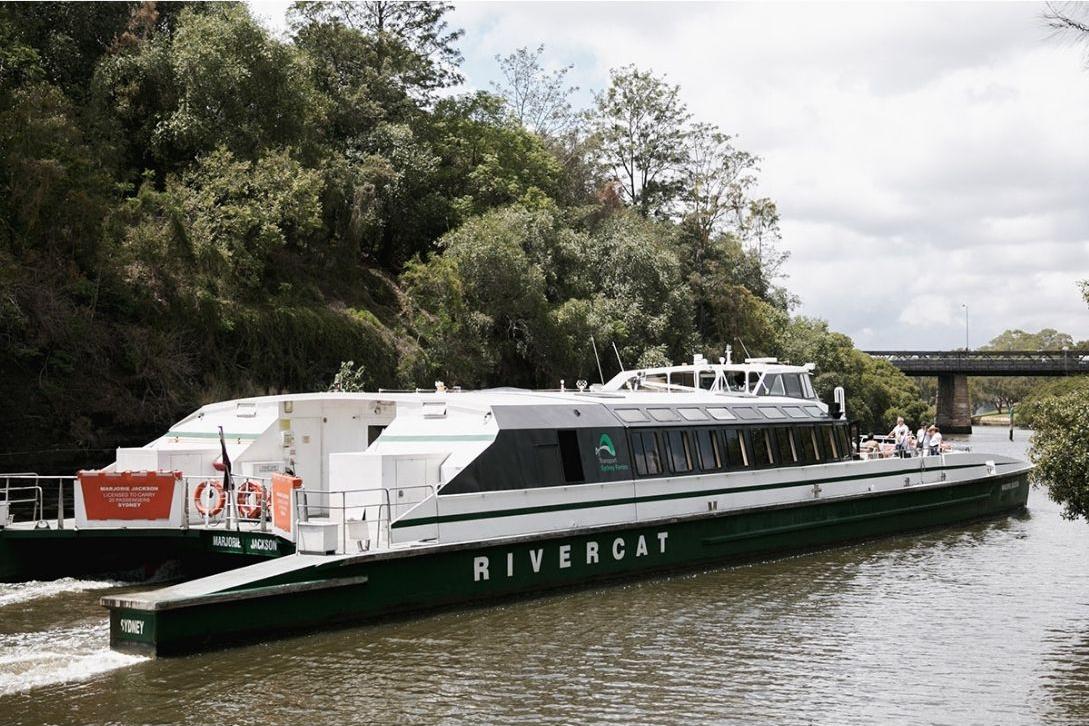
(362, 516)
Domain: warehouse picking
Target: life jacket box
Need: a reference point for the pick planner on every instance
(318, 536)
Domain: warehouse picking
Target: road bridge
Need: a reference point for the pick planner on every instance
(952, 368)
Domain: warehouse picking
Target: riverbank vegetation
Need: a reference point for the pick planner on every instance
(1059, 415)
(194, 209)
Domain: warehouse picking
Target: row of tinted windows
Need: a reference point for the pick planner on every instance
(683, 451)
(749, 413)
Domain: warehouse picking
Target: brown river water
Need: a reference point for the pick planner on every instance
(986, 623)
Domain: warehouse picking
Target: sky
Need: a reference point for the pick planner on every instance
(924, 157)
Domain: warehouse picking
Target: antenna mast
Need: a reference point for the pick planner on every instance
(599, 371)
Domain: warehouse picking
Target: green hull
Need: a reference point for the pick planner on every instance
(46, 554)
(322, 593)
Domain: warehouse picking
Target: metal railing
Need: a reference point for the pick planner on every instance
(23, 493)
(362, 516)
(24, 490)
(231, 508)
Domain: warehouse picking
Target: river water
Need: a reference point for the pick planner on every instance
(986, 623)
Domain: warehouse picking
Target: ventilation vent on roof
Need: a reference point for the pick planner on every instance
(245, 410)
(434, 409)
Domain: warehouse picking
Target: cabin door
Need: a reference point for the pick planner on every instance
(309, 464)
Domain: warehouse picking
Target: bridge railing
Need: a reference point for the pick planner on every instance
(988, 362)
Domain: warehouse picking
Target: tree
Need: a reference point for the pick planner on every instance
(537, 98)
(1060, 451)
(1068, 21)
(218, 80)
(413, 43)
(639, 123)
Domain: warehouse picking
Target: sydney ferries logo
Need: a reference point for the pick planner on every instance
(606, 455)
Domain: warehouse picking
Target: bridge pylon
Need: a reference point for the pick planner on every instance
(954, 407)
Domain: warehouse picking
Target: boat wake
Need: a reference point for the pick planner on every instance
(20, 592)
(64, 655)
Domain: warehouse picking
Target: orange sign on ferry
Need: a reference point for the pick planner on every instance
(143, 495)
(282, 488)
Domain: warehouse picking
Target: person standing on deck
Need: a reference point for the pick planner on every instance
(921, 439)
(900, 434)
(935, 441)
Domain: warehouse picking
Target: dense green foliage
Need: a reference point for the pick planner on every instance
(193, 209)
(1060, 450)
(1059, 415)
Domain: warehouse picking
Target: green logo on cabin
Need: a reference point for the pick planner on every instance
(606, 455)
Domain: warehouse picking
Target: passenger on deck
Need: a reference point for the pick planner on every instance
(922, 437)
(935, 444)
(900, 435)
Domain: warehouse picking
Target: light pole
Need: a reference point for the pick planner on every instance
(965, 306)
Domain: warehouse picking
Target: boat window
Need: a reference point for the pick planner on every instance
(645, 450)
(828, 443)
(680, 459)
(807, 445)
(631, 415)
(707, 380)
(807, 387)
(794, 412)
(772, 412)
(814, 411)
(735, 448)
(692, 414)
(735, 381)
(571, 457)
(761, 448)
(772, 385)
(746, 412)
(784, 446)
(707, 443)
(663, 414)
(842, 443)
(681, 378)
(373, 432)
(793, 385)
(721, 414)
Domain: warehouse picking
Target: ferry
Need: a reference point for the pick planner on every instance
(356, 506)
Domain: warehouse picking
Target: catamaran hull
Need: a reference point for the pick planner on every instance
(46, 554)
(319, 593)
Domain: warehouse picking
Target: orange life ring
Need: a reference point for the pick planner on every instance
(208, 498)
(250, 500)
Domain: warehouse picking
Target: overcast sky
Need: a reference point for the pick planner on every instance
(923, 156)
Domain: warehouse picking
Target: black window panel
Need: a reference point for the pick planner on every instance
(793, 384)
(548, 470)
(828, 443)
(570, 456)
(808, 452)
(373, 432)
(645, 450)
(842, 444)
(707, 444)
(638, 454)
(679, 459)
(761, 447)
(735, 452)
(784, 447)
